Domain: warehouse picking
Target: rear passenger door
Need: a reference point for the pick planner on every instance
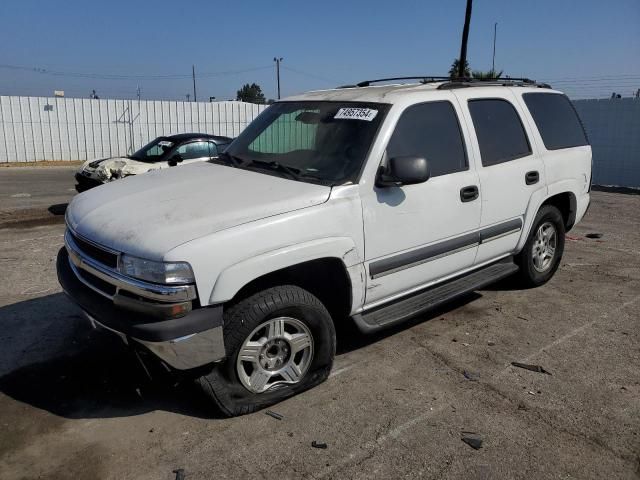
(510, 169)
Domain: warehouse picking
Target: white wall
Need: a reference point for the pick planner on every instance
(42, 128)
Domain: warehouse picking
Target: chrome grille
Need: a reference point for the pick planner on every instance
(99, 254)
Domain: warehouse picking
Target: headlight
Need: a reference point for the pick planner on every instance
(156, 272)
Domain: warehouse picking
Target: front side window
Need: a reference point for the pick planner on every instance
(430, 130)
(153, 151)
(319, 142)
(500, 133)
(193, 150)
(556, 119)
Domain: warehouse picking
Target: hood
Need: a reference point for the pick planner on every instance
(113, 168)
(150, 214)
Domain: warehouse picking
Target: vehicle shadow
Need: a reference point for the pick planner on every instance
(65, 367)
(79, 372)
(349, 338)
(58, 208)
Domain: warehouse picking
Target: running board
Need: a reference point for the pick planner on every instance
(403, 309)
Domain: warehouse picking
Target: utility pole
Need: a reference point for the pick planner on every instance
(278, 60)
(493, 62)
(465, 36)
(193, 73)
(138, 92)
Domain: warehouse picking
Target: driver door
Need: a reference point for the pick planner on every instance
(418, 234)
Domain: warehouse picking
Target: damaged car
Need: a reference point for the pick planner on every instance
(369, 204)
(162, 152)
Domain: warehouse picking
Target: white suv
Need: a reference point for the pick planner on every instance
(370, 203)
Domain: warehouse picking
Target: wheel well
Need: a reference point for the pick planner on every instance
(326, 278)
(566, 203)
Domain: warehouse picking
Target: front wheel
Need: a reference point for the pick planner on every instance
(541, 255)
(279, 342)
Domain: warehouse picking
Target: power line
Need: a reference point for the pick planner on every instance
(312, 75)
(106, 76)
(594, 77)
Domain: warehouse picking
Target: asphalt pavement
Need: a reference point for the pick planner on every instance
(32, 196)
(74, 403)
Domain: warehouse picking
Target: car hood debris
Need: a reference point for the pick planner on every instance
(114, 168)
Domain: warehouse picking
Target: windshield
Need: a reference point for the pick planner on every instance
(152, 152)
(324, 142)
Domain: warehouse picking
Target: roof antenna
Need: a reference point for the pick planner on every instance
(465, 36)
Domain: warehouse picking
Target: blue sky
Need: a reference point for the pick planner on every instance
(323, 44)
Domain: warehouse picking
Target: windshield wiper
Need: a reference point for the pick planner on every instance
(232, 159)
(294, 173)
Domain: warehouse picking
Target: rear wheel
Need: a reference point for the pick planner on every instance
(279, 342)
(541, 255)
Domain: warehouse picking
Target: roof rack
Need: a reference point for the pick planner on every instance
(450, 83)
(422, 78)
(488, 82)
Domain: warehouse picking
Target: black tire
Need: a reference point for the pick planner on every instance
(530, 276)
(223, 385)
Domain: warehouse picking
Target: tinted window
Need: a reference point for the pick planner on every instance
(500, 132)
(288, 133)
(556, 120)
(213, 149)
(195, 150)
(325, 142)
(430, 130)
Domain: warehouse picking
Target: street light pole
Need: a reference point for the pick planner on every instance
(278, 60)
(465, 36)
(193, 73)
(493, 62)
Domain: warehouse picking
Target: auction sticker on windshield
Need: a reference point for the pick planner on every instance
(366, 114)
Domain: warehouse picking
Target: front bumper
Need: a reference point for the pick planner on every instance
(85, 183)
(190, 341)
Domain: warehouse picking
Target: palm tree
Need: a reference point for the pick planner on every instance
(488, 75)
(453, 71)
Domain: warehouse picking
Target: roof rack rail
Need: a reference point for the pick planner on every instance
(487, 82)
(450, 83)
(422, 78)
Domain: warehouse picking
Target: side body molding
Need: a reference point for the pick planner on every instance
(233, 278)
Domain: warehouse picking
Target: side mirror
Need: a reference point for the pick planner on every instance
(173, 161)
(406, 170)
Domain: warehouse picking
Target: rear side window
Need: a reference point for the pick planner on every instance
(430, 130)
(556, 120)
(500, 133)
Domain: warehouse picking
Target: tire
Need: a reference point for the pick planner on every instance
(281, 317)
(537, 263)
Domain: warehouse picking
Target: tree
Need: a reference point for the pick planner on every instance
(250, 93)
(453, 71)
(488, 75)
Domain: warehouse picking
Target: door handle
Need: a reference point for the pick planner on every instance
(468, 194)
(532, 177)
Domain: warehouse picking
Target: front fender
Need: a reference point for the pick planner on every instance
(236, 276)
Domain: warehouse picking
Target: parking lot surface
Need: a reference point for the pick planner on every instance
(35, 195)
(74, 403)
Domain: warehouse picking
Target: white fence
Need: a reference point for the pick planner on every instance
(41, 128)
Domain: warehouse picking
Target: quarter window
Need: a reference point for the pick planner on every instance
(500, 133)
(556, 120)
(430, 130)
